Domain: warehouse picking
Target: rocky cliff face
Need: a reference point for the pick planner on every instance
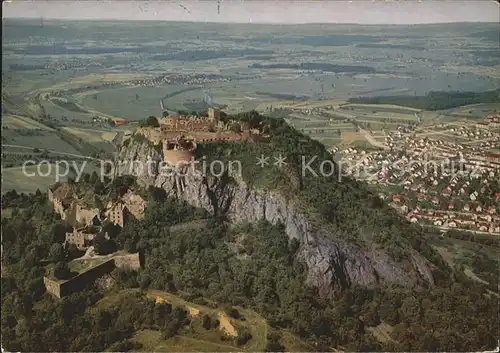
(332, 263)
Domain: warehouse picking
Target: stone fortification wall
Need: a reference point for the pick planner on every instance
(52, 287)
(128, 262)
(86, 278)
(63, 288)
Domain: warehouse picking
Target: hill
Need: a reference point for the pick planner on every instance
(348, 235)
(206, 264)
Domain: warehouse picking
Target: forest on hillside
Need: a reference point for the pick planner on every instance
(346, 206)
(434, 100)
(251, 265)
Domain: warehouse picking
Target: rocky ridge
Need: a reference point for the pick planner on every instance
(332, 263)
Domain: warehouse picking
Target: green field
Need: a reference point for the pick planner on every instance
(40, 139)
(21, 122)
(122, 102)
(16, 179)
(96, 81)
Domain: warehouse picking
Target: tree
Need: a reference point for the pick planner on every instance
(56, 253)
(159, 314)
(388, 313)
(410, 309)
(73, 252)
(103, 246)
(61, 270)
(236, 127)
(152, 121)
(243, 337)
(94, 178)
(231, 311)
(206, 322)
(144, 280)
(99, 187)
(273, 343)
(85, 177)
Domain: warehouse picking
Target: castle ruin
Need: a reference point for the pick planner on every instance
(181, 134)
(82, 237)
(65, 202)
(87, 222)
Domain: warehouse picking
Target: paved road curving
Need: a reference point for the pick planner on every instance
(53, 151)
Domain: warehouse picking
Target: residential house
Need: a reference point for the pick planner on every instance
(483, 227)
(446, 192)
(397, 198)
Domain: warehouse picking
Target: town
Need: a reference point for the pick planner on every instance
(447, 177)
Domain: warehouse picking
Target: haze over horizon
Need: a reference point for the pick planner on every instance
(276, 12)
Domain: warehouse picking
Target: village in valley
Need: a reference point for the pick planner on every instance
(445, 177)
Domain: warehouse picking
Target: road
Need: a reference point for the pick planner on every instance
(370, 139)
(54, 151)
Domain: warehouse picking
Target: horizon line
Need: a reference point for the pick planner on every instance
(243, 23)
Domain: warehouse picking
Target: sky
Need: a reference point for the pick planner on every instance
(268, 11)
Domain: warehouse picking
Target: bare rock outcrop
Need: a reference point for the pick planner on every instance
(332, 262)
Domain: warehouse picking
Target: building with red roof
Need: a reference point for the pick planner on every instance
(397, 198)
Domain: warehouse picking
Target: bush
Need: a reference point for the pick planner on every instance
(231, 311)
(151, 121)
(215, 323)
(206, 322)
(243, 337)
(61, 271)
